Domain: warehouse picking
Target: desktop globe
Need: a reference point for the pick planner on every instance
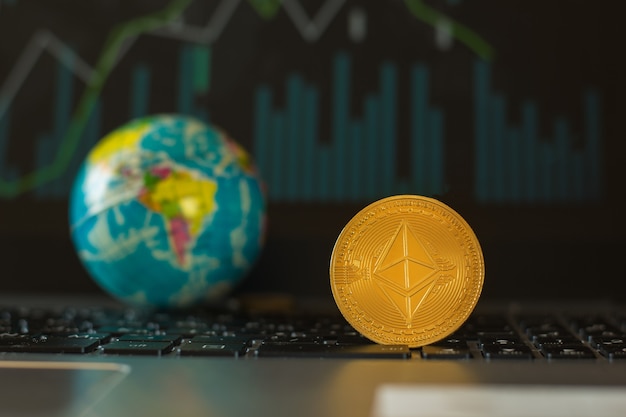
(167, 211)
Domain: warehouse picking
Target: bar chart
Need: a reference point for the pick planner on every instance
(359, 160)
(515, 164)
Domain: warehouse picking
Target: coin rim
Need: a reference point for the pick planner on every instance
(480, 264)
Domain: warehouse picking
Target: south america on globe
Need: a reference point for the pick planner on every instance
(167, 211)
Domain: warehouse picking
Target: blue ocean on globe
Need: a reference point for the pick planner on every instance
(167, 211)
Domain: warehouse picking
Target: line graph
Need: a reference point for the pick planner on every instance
(169, 23)
(42, 41)
(116, 40)
(456, 30)
(208, 33)
(311, 29)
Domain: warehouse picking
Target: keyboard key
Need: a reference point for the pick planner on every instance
(557, 341)
(190, 331)
(43, 344)
(100, 337)
(242, 340)
(611, 347)
(212, 349)
(355, 339)
(500, 340)
(613, 352)
(445, 352)
(372, 351)
(593, 327)
(548, 330)
(592, 323)
(298, 340)
(7, 339)
(121, 347)
(609, 341)
(569, 352)
(123, 329)
(509, 351)
(527, 321)
(485, 324)
(453, 347)
(172, 338)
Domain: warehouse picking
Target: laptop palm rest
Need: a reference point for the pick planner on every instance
(33, 388)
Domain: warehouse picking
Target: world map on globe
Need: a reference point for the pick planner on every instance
(167, 211)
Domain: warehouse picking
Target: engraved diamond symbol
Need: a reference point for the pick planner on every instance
(406, 272)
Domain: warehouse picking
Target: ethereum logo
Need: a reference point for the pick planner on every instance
(406, 272)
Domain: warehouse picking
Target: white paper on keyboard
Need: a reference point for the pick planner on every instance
(395, 400)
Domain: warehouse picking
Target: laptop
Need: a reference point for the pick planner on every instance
(516, 111)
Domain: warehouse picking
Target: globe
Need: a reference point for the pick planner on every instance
(167, 211)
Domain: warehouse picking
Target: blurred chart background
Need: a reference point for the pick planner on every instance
(510, 112)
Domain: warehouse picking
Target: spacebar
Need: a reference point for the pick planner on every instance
(370, 351)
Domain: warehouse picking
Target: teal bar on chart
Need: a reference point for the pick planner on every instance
(427, 139)
(593, 147)
(140, 92)
(497, 143)
(310, 160)
(355, 159)
(419, 148)
(341, 123)
(388, 98)
(48, 143)
(262, 119)
(514, 168)
(528, 163)
(370, 178)
(437, 153)
(91, 136)
(277, 144)
(189, 61)
(293, 156)
(562, 161)
(482, 147)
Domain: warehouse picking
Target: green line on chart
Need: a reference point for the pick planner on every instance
(460, 32)
(267, 9)
(85, 107)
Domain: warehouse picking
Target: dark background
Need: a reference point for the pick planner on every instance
(547, 53)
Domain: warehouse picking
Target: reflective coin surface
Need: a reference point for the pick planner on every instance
(406, 270)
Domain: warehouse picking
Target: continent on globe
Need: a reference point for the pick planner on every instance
(168, 211)
(184, 202)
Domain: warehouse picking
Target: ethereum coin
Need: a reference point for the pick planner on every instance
(406, 270)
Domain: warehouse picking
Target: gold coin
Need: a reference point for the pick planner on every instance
(406, 270)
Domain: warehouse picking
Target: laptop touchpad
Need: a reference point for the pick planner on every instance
(32, 388)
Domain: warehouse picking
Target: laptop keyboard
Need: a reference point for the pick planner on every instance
(173, 334)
